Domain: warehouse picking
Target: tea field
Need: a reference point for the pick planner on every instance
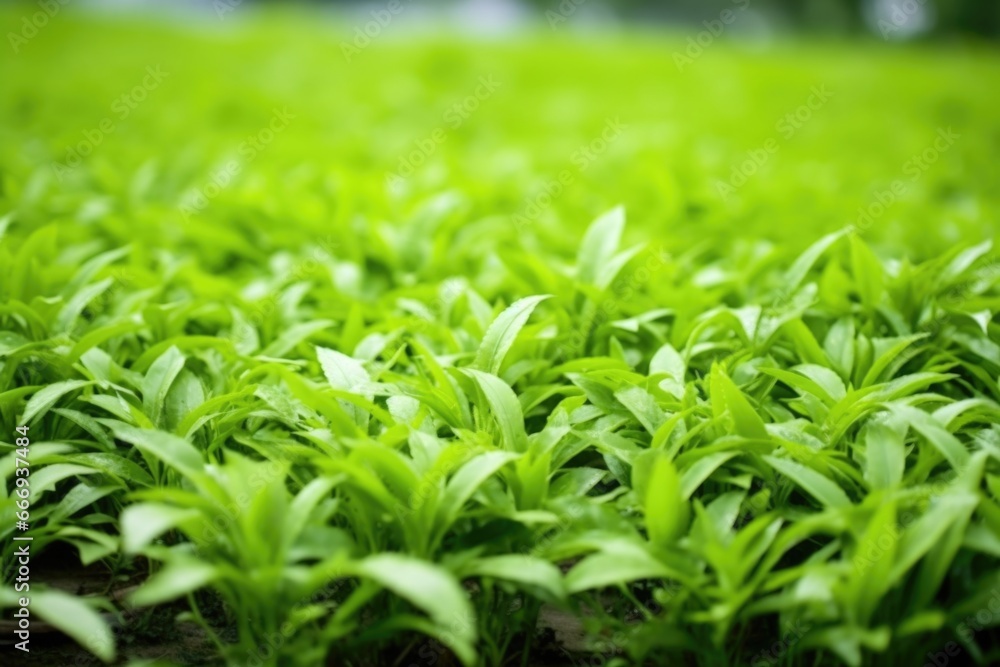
(560, 349)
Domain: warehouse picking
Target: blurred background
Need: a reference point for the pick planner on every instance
(715, 123)
(900, 19)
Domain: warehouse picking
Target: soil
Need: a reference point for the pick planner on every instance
(157, 638)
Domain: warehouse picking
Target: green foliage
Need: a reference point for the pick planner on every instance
(366, 418)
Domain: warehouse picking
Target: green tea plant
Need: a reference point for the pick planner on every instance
(324, 416)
